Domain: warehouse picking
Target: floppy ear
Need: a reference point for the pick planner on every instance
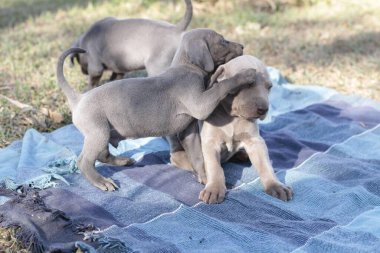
(218, 75)
(200, 55)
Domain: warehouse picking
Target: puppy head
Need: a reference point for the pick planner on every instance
(207, 49)
(249, 103)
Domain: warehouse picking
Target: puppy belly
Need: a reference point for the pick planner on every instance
(123, 65)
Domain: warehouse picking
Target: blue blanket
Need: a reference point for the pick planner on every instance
(323, 144)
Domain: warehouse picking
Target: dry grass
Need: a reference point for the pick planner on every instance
(9, 243)
(331, 43)
(334, 44)
(326, 42)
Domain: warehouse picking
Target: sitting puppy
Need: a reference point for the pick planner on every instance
(232, 130)
(153, 106)
(129, 44)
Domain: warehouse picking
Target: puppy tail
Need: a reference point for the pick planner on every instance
(71, 94)
(184, 23)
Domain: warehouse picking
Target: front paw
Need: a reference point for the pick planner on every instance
(213, 193)
(279, 190)
(103, 183)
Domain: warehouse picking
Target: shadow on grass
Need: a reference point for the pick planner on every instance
(20, 10)
(294, 51)
(365, 43)
(362, 46)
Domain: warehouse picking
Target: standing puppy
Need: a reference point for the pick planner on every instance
(232, 130)
(154, 106)
(129, 44)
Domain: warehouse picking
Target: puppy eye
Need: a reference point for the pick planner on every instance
(270, 87)
(224, 42)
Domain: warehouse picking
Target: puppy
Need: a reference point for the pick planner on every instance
(129, 44)
(232, 131)
(153, 106)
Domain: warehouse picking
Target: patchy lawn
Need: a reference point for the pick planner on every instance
(330, 43)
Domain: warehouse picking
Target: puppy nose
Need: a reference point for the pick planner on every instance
(262, 110)
(241, 46)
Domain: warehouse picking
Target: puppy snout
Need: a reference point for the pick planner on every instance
(262, 110)
(237, 47)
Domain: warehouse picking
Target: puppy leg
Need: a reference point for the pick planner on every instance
(106, 157)
(191, 142)
(180, 160)
(116, 76)
(93, 81)
(95, 72)
(258, 154)
(92, 148)
(178, 155)
(215, 188)
(83, 61)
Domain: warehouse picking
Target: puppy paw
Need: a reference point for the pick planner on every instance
(279, 190)
(105, 184)
(213, 193)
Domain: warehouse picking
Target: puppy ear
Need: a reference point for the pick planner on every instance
(218, 75)
(200, 55)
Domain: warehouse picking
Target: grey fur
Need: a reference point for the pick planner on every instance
(154, 106)
(231, 132)
(129, 44)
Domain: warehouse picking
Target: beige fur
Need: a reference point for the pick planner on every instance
(232, 130)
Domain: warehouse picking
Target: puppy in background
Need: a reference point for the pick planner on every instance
(231, 131)
(129, 44)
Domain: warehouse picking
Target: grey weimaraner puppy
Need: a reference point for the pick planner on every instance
(232, 130)
(129, 44)
(154, 106)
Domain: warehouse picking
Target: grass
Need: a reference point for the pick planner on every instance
(330, 43)
(9, 243)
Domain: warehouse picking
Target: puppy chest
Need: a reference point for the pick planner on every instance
(229, 148)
